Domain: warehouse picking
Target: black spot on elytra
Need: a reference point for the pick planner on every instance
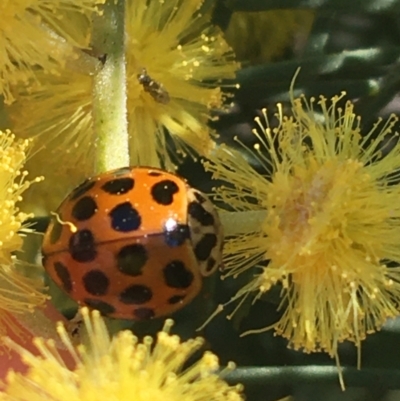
(124, 217)
(200, 214)
(136, 295)
(122, 171)
(81, 189)
(163, 192)
(64, 276)
(131, 259)
(176, 299)
(56, 230)
(199, 197)
(176, 275)
(177, 236)
(204, 247)
(84, 208)
(82, 246)
(154, 173)
(119, 186)
(143, 313)
(210, 264)
(103, 307)
(96, 282)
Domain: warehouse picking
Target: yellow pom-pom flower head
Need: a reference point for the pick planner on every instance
(177, 62)
(183, 55)
(57, 135)
(27, 40)
(18, 294)
(119, 368)
(331, 222)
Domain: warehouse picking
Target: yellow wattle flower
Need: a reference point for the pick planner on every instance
(28, 42)
(179, 49)
(332, 222)
(119, 368)
(176, 62)
(18, 294)
(63, 147)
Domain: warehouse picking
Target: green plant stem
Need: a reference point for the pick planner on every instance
(260, 379)
(236, 223)
(109, 89)
(363, 63)
(335, 5)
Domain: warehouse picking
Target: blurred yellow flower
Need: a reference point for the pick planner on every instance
(26, 39)
(63, 148)
(175, 63)
(121, 368)
(332, 222)
(17, 293)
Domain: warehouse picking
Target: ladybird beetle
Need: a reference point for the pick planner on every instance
(133, 243)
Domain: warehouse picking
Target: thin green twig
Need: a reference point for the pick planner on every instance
(373, 6)
(260, 379)
(109, 89)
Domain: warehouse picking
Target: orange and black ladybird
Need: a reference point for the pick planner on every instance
(142, 242)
